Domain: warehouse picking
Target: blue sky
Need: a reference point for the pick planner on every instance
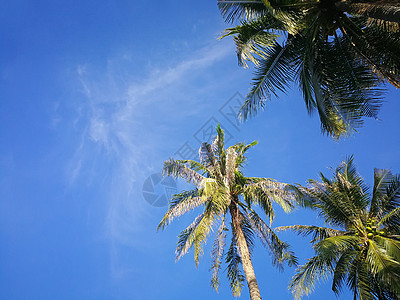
(94, 96)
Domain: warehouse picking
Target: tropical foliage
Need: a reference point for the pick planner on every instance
(227, 200)
(360, 247)
(337, 51)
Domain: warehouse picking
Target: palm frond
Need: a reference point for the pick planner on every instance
(196, 234)
(342, 269)
(308, 275)
(263, 191)
(274, 73)
(180, 204)
(178, 168)
(371, 53)
(387, 11)
(279, 250)
(241, 9)
(217, 145)
(186, 237)
(217, 253)
(251, 38)
(378, 260)
(233, 261)
(318, 233)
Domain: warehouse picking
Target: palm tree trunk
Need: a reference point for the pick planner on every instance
(376, 10)
(244, 252)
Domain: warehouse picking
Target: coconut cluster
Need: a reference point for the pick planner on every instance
(372, 230)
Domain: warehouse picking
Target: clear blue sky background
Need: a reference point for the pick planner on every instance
(94, 96)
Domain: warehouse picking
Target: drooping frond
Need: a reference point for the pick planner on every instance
(233, 269)
(177, 168)
(196, 234)
(341, 101)
(186, 237)
(342, 269)
(248, 231)
(273, 73)
(180, 204)
(251, 38)
(280, 251)
(308, 275)
(381, 58)
(217, 253)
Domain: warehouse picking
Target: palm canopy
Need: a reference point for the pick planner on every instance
(361, 248)
(221, 189)
(336, 51)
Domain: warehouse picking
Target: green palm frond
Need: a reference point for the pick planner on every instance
(196, 234)
(273, 73)
(308, 275)
(375, 55)
(364, 252)
(382, 178)
(378, 259)
(251, 38)
(331, 248)
(339, 53)
(342, 269)
(391, 220)
(390, 246)
(387, 11)
(241, 9)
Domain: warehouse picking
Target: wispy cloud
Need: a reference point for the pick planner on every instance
(122, 130)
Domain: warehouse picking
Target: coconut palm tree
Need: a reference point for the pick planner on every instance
(360, 247)
(223, 193)
(338, 52)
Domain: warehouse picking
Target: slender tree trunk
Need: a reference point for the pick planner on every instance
(379, 11)
(244, 252)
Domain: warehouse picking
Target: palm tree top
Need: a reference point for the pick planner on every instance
(222, 190)
(338, 52)
(360, 247)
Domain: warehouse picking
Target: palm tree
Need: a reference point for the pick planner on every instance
(222, 190)
(338, 52)
(361, 248)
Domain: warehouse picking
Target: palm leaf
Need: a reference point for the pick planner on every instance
(180, 204)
